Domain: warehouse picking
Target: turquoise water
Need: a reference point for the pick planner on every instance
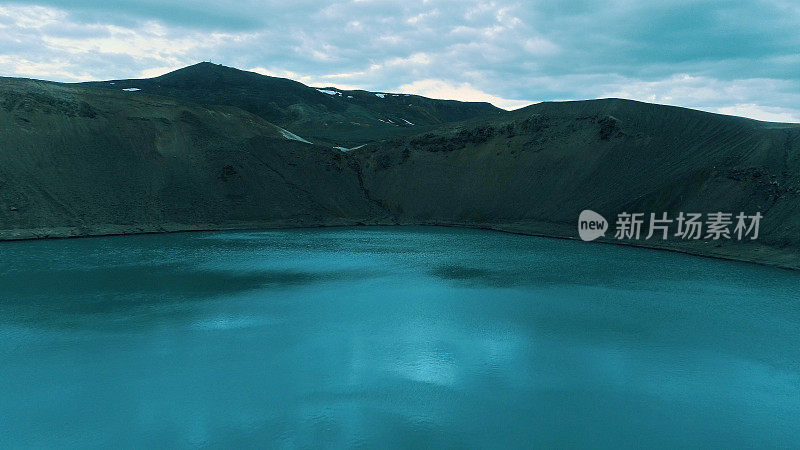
(391, 337)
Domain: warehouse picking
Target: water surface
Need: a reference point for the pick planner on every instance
(393, 337)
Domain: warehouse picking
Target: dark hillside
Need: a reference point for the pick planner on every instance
(82, 157)
(99, 159)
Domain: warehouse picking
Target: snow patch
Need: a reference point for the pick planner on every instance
(404, 120)
(381, 95)
(329, 92)
(131, 89)
(291, 136)
(349, 149)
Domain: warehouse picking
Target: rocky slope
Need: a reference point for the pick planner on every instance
(535, 170)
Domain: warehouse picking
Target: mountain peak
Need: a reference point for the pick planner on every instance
(206, 71)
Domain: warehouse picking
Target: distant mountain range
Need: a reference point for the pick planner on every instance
(326, 116)
(211, 147)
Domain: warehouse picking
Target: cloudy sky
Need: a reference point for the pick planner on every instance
(729, 56)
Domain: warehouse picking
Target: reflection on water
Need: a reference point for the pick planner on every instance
(402, 336)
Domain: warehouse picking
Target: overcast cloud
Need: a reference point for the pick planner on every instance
(734, 57)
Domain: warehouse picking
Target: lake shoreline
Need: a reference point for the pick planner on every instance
(786, 258)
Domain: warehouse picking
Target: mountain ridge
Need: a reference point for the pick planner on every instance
(345, 120)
